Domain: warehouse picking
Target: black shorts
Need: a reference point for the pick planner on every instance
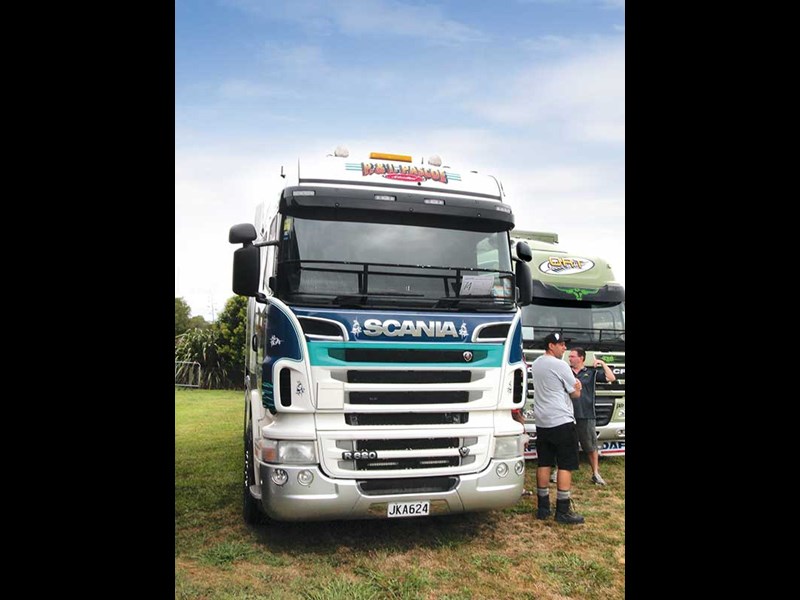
(558, 445)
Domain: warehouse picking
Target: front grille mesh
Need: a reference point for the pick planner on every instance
(408, 397)
(603, 412)
(404, 355)
(371, 419)
(407, 485)
(446, 376)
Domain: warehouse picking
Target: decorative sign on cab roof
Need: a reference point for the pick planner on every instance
(565, 265)
(403, 172)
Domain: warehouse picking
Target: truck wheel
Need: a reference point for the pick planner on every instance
(251, 511)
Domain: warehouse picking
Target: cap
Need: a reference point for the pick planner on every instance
(555, 338)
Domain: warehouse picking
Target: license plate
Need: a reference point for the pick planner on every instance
(408, 509)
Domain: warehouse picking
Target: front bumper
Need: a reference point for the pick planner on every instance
(610, 440)
(330, 499)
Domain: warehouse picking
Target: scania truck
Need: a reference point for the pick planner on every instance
(578, 296)
(384, 342)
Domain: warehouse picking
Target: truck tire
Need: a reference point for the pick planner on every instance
(251, 511)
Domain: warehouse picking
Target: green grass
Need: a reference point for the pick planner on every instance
(500, 554)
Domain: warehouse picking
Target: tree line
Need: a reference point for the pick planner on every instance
(219, 347)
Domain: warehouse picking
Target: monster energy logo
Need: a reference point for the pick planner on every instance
(579, 293)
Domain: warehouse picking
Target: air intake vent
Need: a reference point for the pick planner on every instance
(437, 462)
(494, 332)
(603, 411)
(408, 397)
(408, 444)
(409, 376)
(370, 419)
(518, 386)
(409, 485)
(286, 387)
(406, 356)
(321, 328)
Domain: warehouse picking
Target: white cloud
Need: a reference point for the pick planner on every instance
(584, 93)
(604, 3)
(237, 89)
(373, 18)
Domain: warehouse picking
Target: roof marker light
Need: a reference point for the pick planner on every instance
(303, 193)
(341, 151)
(385, 156)
(385, 197)
(504, 209)
(434, 201)
(435, 160)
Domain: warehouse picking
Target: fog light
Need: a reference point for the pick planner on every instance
(519, 468)
(279, 477)
(305, 477)
(620, 433)
(502, 470)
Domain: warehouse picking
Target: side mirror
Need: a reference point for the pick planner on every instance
(524, 282)
(246, 269)
(524, 251)
(244, 233)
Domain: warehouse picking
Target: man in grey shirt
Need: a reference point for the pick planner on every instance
(556, 437)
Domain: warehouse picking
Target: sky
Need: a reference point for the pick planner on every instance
(530, 91)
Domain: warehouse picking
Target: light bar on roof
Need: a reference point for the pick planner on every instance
(385, 156)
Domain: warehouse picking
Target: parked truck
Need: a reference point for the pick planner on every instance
(578, 296)
(384, 342)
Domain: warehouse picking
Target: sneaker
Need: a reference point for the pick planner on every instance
(597, 480)
(554, 476)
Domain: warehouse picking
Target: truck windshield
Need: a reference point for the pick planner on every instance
(344, 263)
(593, 325)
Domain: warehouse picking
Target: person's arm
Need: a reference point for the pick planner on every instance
(570, 381)
(609, 374)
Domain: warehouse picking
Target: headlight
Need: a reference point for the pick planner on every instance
(510, 446)
(286, 451)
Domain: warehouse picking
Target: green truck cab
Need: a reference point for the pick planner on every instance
(578, 296)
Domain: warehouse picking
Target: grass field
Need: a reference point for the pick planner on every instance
(500, 554)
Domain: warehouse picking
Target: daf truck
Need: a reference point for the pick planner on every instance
(384, 342)
(578, 296)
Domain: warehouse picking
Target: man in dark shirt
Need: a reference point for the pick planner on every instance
(585, 417)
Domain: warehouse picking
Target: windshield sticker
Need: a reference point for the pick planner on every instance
(579, 293)
(403, 172)
(477, 285)
(565, 265)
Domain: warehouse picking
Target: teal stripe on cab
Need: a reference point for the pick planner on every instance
(318, 353)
